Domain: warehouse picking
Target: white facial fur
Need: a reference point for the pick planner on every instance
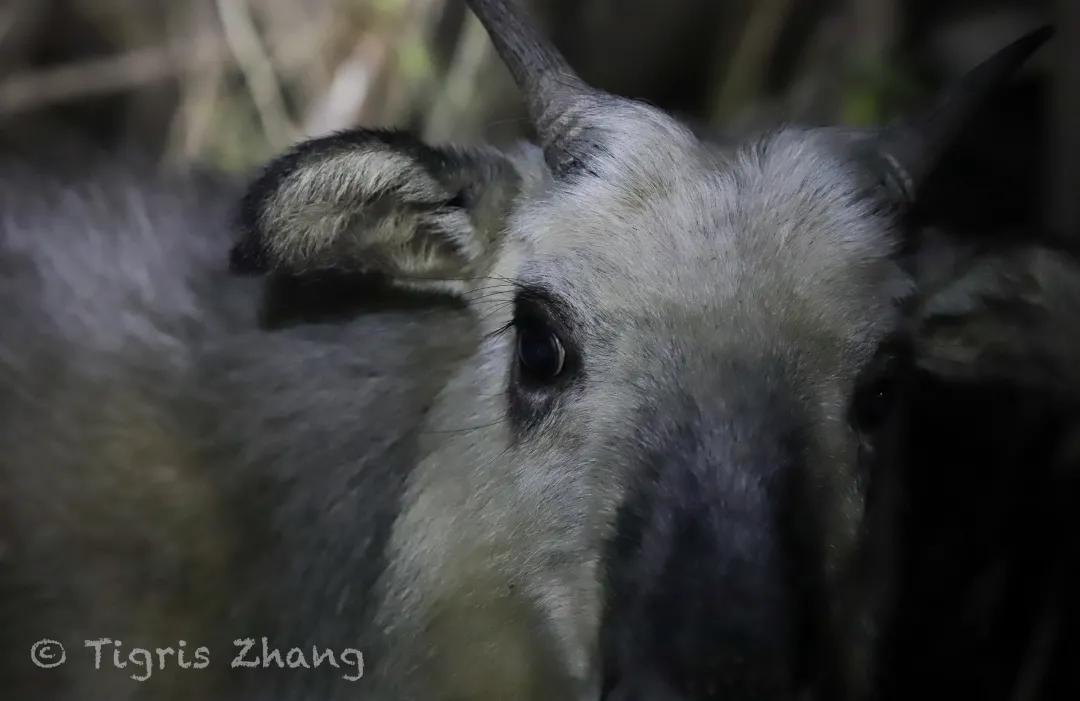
(671, 257)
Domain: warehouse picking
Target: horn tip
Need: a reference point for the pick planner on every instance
(1030, 42)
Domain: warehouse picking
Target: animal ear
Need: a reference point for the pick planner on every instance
(378, 202)
(1008, 316)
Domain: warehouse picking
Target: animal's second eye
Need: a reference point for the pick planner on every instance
(876, 397)
(540, 353)
(874, 403)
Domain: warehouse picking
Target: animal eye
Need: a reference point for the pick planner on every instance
(874, 403)
(881, 385)
(541, 355)
(876, 397)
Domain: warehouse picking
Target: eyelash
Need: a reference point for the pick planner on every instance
(523, 314)
(512, 324)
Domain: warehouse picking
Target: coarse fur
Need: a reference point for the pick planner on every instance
(135, 506)
(701, 471)
(667, 263)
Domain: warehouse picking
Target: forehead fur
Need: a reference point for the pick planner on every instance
(665, 225)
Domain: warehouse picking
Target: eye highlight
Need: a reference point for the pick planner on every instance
(874, 402)
(541, 355)
(546, 361)
(876, 396)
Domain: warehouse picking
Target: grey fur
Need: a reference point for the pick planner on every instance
(135, 506)
(1011, 314)
(370, 483)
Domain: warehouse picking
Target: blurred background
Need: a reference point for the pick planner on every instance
(226, 84)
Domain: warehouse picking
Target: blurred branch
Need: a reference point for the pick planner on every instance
(747, 67)
(247, 49)
(344, 100)
(194, 121)
(461, 84)
(34, 89)
(409, 81)
(191, 128)
(870, 75)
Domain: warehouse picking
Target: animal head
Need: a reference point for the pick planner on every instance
(658, 475)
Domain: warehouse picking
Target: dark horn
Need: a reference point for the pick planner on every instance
(912, 149)
(554, 93)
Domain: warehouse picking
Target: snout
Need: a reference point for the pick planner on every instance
(706, 597)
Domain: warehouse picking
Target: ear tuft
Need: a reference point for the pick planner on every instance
(1005, 316)
(376, 201)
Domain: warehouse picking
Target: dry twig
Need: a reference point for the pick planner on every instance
(248, 51)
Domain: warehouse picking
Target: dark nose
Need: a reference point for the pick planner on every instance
(701, 602)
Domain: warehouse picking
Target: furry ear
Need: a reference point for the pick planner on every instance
(1008, 315)
(378, 202)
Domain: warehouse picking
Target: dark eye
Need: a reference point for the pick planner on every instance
(876, 396)
(874, 403)
(540, 353)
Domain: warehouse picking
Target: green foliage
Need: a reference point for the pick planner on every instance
(875, 94)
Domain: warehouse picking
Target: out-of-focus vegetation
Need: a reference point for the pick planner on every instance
(224, 82)
(228, 83)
